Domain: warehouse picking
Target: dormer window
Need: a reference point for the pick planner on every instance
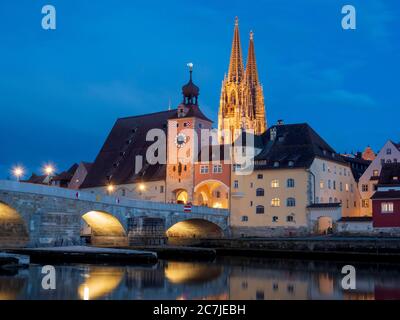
(273, 134)
(389, 151)
(276, 164)
(395, 178)
(281, 138)
(291, 163)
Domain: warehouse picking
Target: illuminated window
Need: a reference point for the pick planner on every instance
(260, 192)
(204, 169)
(321, 184)
(387, 207)
(347, 187)
(365, 203)
(375, 173)
(276, 202)
(275, 183)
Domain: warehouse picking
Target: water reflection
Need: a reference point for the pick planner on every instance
(229, 278)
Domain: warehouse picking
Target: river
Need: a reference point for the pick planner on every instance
(225, 278)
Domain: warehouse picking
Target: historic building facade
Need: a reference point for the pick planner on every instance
(242, 100)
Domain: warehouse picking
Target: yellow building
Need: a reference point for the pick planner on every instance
(299, 185)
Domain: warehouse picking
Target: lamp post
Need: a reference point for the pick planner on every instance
(49, 171)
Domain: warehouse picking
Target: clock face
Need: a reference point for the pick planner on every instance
(180, 140)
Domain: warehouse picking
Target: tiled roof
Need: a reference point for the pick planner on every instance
(390, 174)
(116, 161)
(296, 146)
(392, 194)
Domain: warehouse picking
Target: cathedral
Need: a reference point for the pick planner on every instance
(242, 104)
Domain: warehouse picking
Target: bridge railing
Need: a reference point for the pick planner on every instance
(18, 187)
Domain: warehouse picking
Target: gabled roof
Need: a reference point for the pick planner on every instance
(66, 175)
(390, 174)
(294, 146)
(116, 161)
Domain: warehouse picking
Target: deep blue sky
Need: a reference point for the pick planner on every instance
(61, 91)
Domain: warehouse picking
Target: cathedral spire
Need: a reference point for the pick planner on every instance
(236, 69)
(251, 65)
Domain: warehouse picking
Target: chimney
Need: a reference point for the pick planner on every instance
(280, 123)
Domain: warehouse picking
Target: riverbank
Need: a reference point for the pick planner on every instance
(85, 254)
(343, 248)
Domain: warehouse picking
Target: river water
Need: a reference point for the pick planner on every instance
(225, 278)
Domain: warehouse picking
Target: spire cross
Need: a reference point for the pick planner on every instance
(251, 35)
(236, 21)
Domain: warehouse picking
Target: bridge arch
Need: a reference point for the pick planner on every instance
(194, 229)
(13, 229)
(101, 228)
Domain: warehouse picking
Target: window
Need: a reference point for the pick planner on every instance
(347, 187)
(329, 184)
(260, 192)
(161, 189)
(290, 202)
(276, 164)
(275, 183)
(334, 185)
(217, 168)
(251, 185)
(236, 184)
(389, 161)
(323, 167)
(365, 203)
(395, 160)
(123, 191)
(275, 219)
(341, 186)
(204, 169)
(260, 295)
(351, 188)
(364, 188)
(321, 184)
(245, 218)
(388, 151)
(236, 167)
(387, 207)
(291, 163)
(290, 218)
(260, 176)
(375, 173)
(290, 183)
(382, 161)
(275, 202)
(251, 203)
(260, 210)
(218, 194)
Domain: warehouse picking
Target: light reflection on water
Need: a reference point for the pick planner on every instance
(228, 278)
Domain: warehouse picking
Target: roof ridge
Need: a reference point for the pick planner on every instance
(147, 114)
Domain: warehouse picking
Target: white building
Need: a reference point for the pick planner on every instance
(367, 184)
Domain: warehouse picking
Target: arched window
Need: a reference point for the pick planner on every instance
(275, 202)
(260, 192)
(290, 183)
(290, 202)
(260, 210)
(290, 218)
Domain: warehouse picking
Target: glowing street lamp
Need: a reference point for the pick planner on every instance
(142, 187)
(48, 169)
(18, 172)
(110, 188)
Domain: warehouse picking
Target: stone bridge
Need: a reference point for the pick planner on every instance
(36, 215)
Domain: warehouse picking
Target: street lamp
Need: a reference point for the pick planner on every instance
(18, 172)
(48, 169)
(110, 189)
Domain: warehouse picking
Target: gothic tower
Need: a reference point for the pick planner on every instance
(242, 100)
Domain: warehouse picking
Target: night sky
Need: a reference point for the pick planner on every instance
(62, 90)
